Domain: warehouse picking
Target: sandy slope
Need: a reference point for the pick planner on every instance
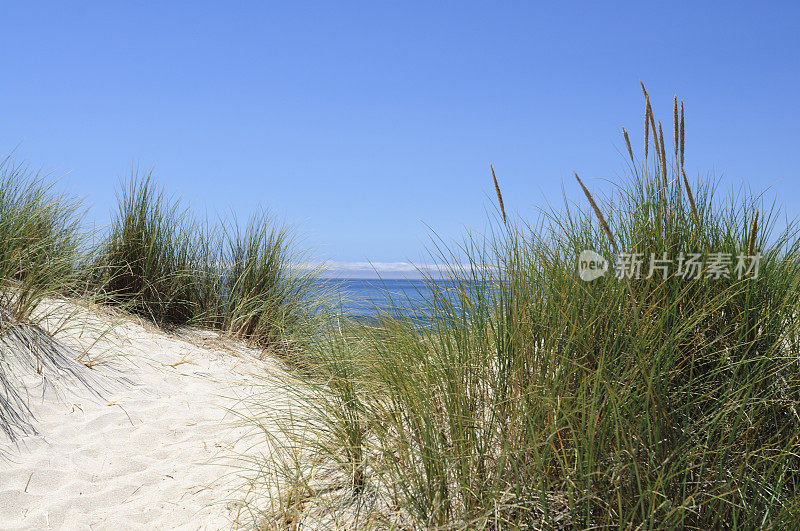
(148, 453)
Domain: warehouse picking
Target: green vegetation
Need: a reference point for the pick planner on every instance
(533, 399)
(524, 397)
(263, 296)
(147, 262)
(41, 236)
(40, 258)
(156, 261)
(163, 264)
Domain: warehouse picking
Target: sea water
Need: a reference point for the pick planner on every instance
(370, 297)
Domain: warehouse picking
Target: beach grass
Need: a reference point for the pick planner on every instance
(512, 393)
(147, 262)
(42, 240)
(41, 258)
(530, 398)
(163, 263)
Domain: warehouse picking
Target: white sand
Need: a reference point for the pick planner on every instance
(148, 454)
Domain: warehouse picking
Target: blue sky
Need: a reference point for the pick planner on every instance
(363, 122)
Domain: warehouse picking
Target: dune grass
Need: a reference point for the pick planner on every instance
(515, 394)
(41, 258)
(42, 241)
(530, 398)
(267, 292)
(148, 260)
(163, 263)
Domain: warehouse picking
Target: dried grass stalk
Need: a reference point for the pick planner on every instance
(628, 143)
(647, 111)
(663, 154)
(649, 121)
(653, 127)
(612, 241)
(682, 138)
(499, 195)
(676, 123)
(599, 214)
(690, 195)
(753, 230)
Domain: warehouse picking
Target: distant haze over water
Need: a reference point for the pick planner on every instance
(379, 270)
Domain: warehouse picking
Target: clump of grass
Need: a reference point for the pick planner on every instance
(148, 260)
(40, 259)
(529, 398)
(162, 263)
(41, 249)
(265, 294)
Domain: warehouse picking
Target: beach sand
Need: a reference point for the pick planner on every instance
(152, 450)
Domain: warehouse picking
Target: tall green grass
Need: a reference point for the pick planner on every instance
(42, 241)
(266, 289)
(157, 260)
(530, 398)
(163, 263)
(41, 258)
(148, 260)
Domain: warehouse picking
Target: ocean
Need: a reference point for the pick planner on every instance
(368, 297)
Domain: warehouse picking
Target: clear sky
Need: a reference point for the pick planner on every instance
(364, 121)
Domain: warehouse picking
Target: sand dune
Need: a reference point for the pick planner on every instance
(150, 451)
